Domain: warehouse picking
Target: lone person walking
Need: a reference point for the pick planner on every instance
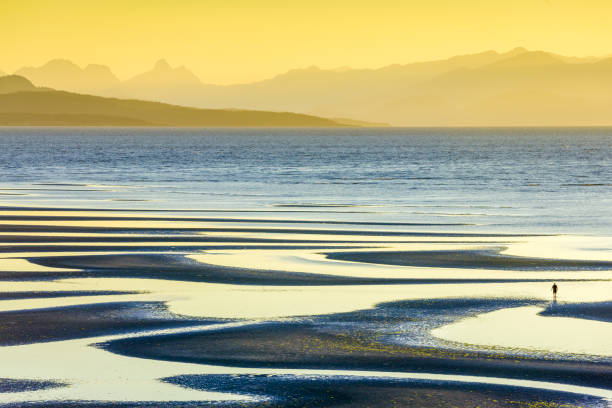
(554, 291)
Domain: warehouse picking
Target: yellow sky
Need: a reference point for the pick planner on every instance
(228, 41)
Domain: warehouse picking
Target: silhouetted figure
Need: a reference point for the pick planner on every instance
(554, 291)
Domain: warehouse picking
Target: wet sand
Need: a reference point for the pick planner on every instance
(178, 267)
(488, 259)
(101, 225)
(601, 311)
(324, 392)
(339, 298)
(9, 385)
(288, 391)
(63, 323)
(58, 294)
(343, 345)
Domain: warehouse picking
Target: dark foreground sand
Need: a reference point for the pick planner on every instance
(304, 346)
(601, 311)
(288, 391)
(166, 230)
(316, 392)
(479, 259)
(367, 340)
(71, 322)
(178, 267)
(10, 385)
(58, 294)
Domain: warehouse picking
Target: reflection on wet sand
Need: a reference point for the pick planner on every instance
(189, 308)
(525, 327)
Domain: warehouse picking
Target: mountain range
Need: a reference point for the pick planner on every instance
(66, 75)
(514, 88)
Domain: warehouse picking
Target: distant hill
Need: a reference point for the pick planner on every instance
(15, 83)
(21, 103)
(514, 88)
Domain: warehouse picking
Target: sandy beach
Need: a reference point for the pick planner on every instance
(234, 310)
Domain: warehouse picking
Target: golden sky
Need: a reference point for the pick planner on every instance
(228, 41)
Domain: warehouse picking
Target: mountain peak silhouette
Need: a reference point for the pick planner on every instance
(54, 68)
(518, 50)
(61, 63)
(162, 83)
(64, 74)
(162, 73)
(162, 65)
(528, 59)
(98, 69)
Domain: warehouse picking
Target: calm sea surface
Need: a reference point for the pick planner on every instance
(523, 180)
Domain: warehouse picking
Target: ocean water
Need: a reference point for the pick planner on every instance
(524, 180)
